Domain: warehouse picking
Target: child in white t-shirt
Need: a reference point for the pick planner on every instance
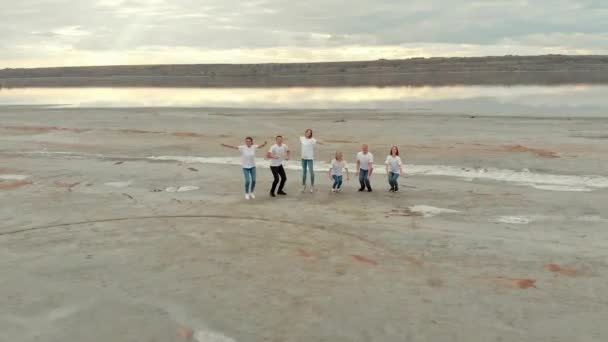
(335, 172)
(248, 163)
(308, 152)
(394, 168)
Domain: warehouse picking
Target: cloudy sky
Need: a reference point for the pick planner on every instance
(94, 32)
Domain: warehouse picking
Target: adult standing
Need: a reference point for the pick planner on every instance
(248, 163)
(308, 152)
(365, 167)
(278, 153)
(394, 168)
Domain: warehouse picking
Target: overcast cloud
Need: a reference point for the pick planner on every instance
(90, 32)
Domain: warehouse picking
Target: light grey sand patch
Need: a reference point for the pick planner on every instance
(181, 188)
(14, 177)
(119, 184)
(514, 219)
(211, 336)
(429, 211)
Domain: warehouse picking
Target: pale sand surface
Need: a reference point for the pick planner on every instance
(93, 247)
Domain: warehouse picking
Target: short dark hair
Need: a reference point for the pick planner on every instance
(308, 130)
(249, 138)
(278, 136)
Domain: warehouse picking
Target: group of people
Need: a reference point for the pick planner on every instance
(280, 152)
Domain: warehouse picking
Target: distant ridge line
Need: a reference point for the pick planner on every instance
(545, 69)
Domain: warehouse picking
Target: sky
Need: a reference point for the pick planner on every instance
(42, 33)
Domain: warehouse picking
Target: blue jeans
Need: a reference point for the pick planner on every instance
(393, 180)
(249, 180)
(307, 165)
(337, 182)
(364, 179)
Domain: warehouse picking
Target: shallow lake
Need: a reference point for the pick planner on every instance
(543, 101)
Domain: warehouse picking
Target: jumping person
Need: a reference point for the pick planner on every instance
(248, 162)
(394, 168)
(308, 149)
(277, 154)
(365, 167)
(335, 172)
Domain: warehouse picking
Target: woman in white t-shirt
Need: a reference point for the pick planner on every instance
(394, 168)
(248, 162)
(335, 172)
(308, 153)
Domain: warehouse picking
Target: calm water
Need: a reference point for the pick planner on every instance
(573, 100)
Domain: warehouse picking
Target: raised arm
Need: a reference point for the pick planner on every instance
(230, 146)
(262, 146)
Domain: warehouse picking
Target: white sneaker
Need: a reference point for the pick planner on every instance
(246, 196)
(333, 190)
(312, 190)
(252, 195)
(304, 188)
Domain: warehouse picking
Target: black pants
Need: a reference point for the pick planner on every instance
(278, 171)
(364, 179)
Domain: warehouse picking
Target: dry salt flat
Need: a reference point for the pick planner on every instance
(129, 224)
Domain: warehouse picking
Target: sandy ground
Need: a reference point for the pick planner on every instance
(93, 247)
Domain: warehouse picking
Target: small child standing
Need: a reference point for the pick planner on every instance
(394, 168)
(338, 165)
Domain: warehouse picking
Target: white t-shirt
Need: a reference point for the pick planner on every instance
(278, 151)
(308, 147)
(337, 167)
(394, 164)
(365, 160)
(248, 155)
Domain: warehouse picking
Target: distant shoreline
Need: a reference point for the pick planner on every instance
(508, 70)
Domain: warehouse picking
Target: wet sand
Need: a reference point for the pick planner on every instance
(98, 243)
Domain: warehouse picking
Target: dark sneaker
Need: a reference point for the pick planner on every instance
(281, 193)
(272, 195)
(361, 190)
(369, 190)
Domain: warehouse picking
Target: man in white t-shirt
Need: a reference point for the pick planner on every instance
(365, 167)
(277, 154)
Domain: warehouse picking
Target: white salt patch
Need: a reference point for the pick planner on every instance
(181, 188)
(14, 177)
(428, 211)
(514, 219)
(118, 184)
(211, 336)
(560, 187)
(592, 219)
(524, 177)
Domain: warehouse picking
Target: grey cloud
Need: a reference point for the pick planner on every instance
(221, 24)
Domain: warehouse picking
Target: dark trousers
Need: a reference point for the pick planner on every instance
(364, 179)
(278, 172)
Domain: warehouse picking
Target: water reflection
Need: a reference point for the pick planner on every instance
(585, 99)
